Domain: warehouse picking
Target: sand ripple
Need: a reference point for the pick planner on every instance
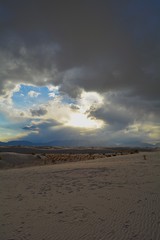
(106, 199)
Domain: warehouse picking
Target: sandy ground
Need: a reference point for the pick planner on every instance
(113, 198)
(19, 160)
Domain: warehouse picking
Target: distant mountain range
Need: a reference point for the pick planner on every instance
(65, 143)
(70, 143)
(16, 143)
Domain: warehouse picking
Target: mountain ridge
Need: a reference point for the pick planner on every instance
(67, 143)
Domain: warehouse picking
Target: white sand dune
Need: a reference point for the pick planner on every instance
(11, 159)
(115, 198)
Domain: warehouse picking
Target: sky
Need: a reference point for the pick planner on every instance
(85, 72)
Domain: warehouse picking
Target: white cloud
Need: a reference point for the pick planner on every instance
(90, 100)
(112, 122)
(52, 88)
(30, 65)
(33, 94)
(52, 94)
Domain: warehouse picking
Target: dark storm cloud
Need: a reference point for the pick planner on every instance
(43, 128)
(31, 128)
(112, 47)
(116, 118)
(114, 43)
(21, 63)
(121, 109)
(47, 131)
(38, 112)
(74, 107)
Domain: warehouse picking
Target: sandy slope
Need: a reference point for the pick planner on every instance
(17, 157)
(111, 199)
(12, 160)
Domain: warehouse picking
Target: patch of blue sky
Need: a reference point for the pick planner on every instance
(3, 119)
(22, 99)
(9, 129)
(9, 124)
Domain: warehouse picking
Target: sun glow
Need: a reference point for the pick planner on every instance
(80, 120)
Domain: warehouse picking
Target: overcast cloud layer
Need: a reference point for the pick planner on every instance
(111, 48)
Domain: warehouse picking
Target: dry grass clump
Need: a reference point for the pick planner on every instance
(134, 151)
(57, 158)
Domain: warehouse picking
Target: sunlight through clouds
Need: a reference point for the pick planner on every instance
(80, 120)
